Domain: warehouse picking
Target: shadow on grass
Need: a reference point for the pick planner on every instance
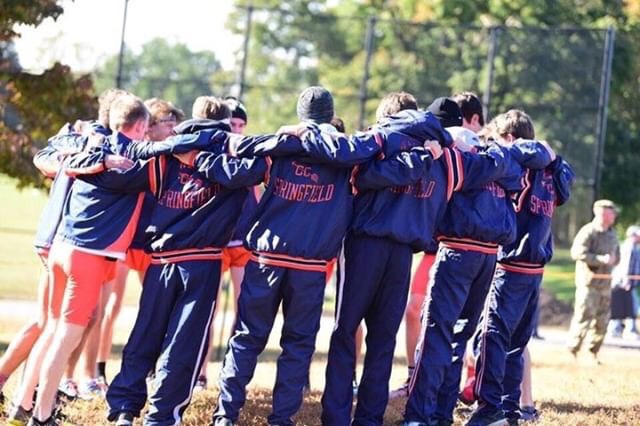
(575, 407)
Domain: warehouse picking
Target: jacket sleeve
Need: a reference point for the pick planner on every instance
(339, 149)
(49, 159)
(67, 143)
(530, 154)
(269, 145)
(580, 249)
(468, 170)
(563, 178)
(404, 168)
(204, 140)
(144, 175)
(231, 172)
(87, 162)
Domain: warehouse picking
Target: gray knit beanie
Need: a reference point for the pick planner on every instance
(315, 104)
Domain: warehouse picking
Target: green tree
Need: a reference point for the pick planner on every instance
(546, 63)
(34, 107)
(167, 71)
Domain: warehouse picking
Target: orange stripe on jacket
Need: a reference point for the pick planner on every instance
(123, 242)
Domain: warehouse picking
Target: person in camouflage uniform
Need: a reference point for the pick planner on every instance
(596, 251)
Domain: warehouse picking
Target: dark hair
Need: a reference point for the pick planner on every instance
(338, 124)
(470, 104)
(237, 108)
(395, 102)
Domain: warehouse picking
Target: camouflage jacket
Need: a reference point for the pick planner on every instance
(589, 248)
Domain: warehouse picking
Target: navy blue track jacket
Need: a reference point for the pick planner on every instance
(66, 142)
(304, 213)
(480, 215)
(543, 191)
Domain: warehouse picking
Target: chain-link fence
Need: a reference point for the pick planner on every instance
(559, 76)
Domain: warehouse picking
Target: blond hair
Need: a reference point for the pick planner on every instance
(160, 109)
(105, 100)
(126, 111)
(210, 107)
(515, 123)
(395, 102)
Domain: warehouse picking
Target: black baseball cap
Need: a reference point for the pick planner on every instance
(446, 111)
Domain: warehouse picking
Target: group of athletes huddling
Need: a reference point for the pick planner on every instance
(478, 205)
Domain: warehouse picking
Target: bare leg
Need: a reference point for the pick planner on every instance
(113, 306)
(90, 343)
(23, 342)
(74, 357)
(24, 395)
(67, 336)
(412, 325)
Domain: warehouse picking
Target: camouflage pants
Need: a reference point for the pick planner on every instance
(591, 316)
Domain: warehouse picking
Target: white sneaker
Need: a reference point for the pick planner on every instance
(91, 389)
(68, 388)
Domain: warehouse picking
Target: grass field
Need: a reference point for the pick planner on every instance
(19, 216)
(567, 392)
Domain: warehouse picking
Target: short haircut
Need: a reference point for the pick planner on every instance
(515, 123)
(125, 111)
(338, 124)
(210, 107)
(159, 109)
(488, 133)
(469, 104)
(395, 102)
(105, 100)
(238, 110)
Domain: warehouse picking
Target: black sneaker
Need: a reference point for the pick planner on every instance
(512, 417)
(18, 416)
(222, 421)
(51, 421)
(529, 414)
(488, 419)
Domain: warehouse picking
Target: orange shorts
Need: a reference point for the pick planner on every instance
(138, 260)
(234, 256)
(421, 278)
(76, 278)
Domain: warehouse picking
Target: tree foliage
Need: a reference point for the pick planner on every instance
(25, 12)
(547, 62)
(34, 107)
(171, 72)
